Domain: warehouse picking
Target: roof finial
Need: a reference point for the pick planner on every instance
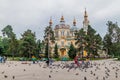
(85, 14)
(50, 22)
(74, 22)
(62, 19)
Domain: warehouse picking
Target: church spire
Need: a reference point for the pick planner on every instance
(50, 22)
(85, 22)
(62, 19)
(74, 22)
(85, 14)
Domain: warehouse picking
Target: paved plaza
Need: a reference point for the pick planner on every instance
(99, 70)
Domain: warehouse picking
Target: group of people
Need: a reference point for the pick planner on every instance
(3, 59)
(81, 63)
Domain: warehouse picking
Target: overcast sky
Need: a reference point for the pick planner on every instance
(35, 14)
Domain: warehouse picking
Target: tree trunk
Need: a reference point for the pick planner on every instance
(13, 55)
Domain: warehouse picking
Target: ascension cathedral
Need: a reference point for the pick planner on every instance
(65, 34)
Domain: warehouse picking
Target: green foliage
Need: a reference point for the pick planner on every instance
(111, 40)
(27, 44)
(94, 41)
(1, 50)
(72, 51)
(56, 55)
(49, 38)
(90, 42)
(49, 34)
(39, 47)
(5, 45)
(119, 58)
(8, 31)
(46, 50)
(12, 48)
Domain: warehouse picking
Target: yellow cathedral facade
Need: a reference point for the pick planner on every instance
(65, 34)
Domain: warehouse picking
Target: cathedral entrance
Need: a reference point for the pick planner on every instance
(63, 51)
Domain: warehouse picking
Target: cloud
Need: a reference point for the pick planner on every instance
(35, 14)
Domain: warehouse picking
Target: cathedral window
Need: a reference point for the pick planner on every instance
(69, 43)
(67, 33)
(62, 43)
(73, 34)
(56, 33)
(62, 33)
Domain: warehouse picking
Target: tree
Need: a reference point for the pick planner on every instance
(49, 38)
(13, 46)
(40, 47)
(94, 41)
(46, 50)
(111, 40)
(72, 51)
(28, 44)
(56, 55)
(1, 50)
(80, 40)
(89, 42)
(5, 45)
(49, 34)
(1, 47)
(8, 31)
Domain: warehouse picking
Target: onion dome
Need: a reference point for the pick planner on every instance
(73, 28)
(62, 19)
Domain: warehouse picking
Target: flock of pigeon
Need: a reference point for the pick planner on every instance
(97, 70)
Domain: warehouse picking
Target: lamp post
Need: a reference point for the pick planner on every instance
(48, 41)
(48, 45)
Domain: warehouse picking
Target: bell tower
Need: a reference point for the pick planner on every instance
(85, 22)
(50, 22)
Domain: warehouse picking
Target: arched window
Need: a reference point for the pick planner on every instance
(62, 33)
(62, 43)
(68, 33)
(56, 33)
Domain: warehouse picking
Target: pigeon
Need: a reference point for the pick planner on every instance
(116, 75)
(103, 78)
(29, 64)
(3, 72)
(56, 71)
(77, 74)
(97, 78)
(91, 72)
(5, 76)
(68, 70)
(85, 78)
(13, 77)
(49, 76)
(51, 71)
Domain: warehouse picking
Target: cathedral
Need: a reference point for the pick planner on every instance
(65, 34)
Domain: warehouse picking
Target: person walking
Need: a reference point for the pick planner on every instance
(47, 61)
(76, 61)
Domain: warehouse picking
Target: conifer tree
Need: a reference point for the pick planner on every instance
(72, 51)
(56, 55)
